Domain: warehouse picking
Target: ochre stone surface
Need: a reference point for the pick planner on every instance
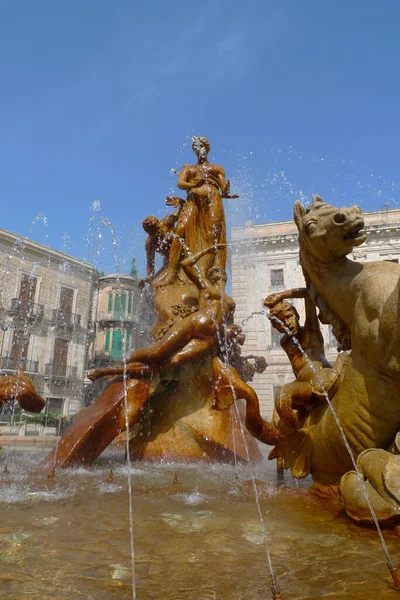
(172, 384)
(361, 302)
(20, 387)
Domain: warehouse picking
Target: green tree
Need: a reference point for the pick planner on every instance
(134, 272)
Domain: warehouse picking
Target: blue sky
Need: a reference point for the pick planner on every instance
(100, 98)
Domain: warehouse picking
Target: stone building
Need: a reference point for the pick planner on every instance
(264, 259)
(45, 299)
(121, 316)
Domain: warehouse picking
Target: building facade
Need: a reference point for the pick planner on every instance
(121, 317)
(45, 299)
(265, 259)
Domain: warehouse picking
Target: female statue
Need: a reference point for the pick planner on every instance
(201, 222)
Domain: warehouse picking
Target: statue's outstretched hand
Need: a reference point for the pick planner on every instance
(143, 282)
(272, 299)
(226, 193)
(174, 201)
(93, 374)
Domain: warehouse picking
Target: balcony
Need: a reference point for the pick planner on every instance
(116, 318)
(10, 363)
(26, 308)
(60, 371)
(65, 319)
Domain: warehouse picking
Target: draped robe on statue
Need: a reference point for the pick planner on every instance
(203, 220)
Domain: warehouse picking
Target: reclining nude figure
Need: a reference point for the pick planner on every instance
(314, 373)
(189, 338)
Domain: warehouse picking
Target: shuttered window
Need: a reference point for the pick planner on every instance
(60, 357)
(19, 348)
(119, 306)
(117, 344)
(127, 341)
(27, 289)
(107, 341)
(66, 300)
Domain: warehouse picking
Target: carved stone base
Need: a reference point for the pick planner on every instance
(179, 423)
(380, 473)
(170, 417)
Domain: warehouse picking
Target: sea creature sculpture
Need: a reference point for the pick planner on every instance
(20, 387)
(380, 477)
(361, 301)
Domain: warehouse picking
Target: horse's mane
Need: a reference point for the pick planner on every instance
(326, 315)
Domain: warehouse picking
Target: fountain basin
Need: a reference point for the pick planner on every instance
(200, 538)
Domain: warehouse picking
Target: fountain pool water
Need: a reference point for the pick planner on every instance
(199, 538)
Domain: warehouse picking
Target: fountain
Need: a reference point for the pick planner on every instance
(164, 393)
(200, 532)
(20, 387)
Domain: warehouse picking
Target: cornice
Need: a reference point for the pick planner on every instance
(41, 251)
(289, 242)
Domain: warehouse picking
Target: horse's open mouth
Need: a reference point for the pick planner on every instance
(356, 232)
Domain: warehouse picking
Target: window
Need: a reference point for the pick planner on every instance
(332, 338)
(54, 407)
(60, 357)
(117, 304)
(275, 390)
(275, 337)
(107, 341)
(117, 344)
(277, 278)
(66, 300)
(393, 260)
(19, 349)
(27, 289)
(127, 341)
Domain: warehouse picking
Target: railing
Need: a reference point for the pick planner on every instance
(10, 363)
(60, 371)
(27, 308)
(66, 319)
(118, 317)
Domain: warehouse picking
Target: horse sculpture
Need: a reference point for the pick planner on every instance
(361, 302)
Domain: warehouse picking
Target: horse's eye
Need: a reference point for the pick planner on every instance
(310, 226)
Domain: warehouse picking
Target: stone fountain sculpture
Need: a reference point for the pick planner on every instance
(361, 302)
(20, 387)
(164, 393)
